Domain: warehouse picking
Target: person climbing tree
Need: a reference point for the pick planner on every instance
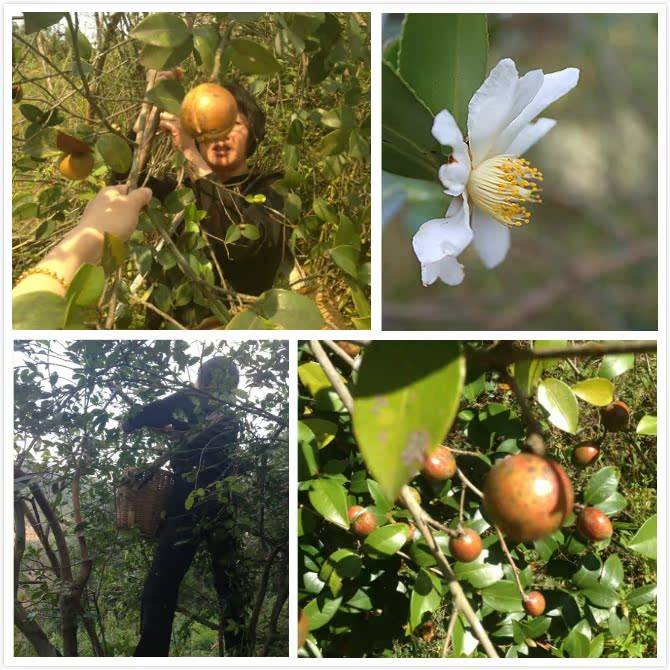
(198, 461)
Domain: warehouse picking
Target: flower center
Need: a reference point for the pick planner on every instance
(500, 184)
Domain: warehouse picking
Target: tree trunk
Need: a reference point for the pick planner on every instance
(33, 633)
(260, 597)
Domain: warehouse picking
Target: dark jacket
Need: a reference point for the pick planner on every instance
(249, 266)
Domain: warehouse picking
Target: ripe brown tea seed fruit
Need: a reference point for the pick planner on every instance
(585, 454)
(615, 416)
(527, 496)
(439, 464)
(303, 628)
(362, 521)
(71, 145)
(76, 166)
(534, 603)
(466, 547)
(594, 524)
(208, 112)
(17, 93)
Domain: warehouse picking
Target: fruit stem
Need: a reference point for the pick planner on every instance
(515, 570)
(534, 435)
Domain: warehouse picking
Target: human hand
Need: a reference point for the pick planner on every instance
(115, 211)
(154, 76)
(181, 140)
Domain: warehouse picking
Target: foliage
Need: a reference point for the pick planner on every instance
(69, 400)
(593, 237)
(311, 73)
(600, 596)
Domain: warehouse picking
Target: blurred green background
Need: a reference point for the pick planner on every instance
(588, 259)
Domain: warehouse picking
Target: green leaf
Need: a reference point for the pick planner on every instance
(321, 610)
(399, 418)
(479, 574)
(32, 113)
(115, 152)
(113, 253)
(36, 21)
(641, 596)
(597, 391)
(308, 464)
(382, 503)
(38, 310)
(86, 286)
(324, 431)
(601, 486)
(612, 504)
(182, 295)
(601, 595)
(42, 144)
(346, 258)
(612, 572)
(615, 365)
(442, 57)
(576, 644)
(596, 646)
(165, 58)
(161, 30)
(503, 597)
(250, 231)
(426, 597)
(618, 624)
(295, 131)
(251, 58)
(346, 563)
(647, 425)
(178, 200)
(560, 402)
(290, 310)
(83, 46)
(167, 94)
(386, 540)
(206, 40)
(329, 499)
(313, 377)
(644, 541)
(408, 146)
(334, 143)
(421, 553)
(247, 320)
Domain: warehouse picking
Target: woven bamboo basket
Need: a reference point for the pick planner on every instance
(142, 502)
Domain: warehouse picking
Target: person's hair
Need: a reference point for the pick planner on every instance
(220, 372)
(248, 105)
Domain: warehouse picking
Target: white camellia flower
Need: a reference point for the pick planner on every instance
(488, 180)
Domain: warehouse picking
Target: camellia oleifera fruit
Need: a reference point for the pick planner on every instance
(466, 546)
(534, 603)
(439, 464)
(585, 454)
(527, 496)
(594, 524)
(615, 416)
(362, 521)
(76, 166)
(208, 112)
(17, 93)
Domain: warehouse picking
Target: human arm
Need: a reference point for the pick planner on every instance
(114, 211)
(180, 410)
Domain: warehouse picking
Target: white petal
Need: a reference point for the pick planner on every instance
(554, 86)
(438, 238)
(453, 175)
(491, 239)
(497, 102)
(449, 270)
(529, 135)
(445, 129)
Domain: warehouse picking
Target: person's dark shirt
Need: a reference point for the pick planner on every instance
(249, 266)
(181, 410)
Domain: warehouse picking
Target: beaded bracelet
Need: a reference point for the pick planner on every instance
(43, 271)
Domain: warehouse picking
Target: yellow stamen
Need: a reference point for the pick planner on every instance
(500, 184)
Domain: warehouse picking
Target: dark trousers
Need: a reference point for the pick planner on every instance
(181, 533)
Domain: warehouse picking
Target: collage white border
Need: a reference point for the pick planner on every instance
(376, 9)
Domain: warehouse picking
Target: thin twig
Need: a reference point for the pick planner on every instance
(515, 570)
(332, 374)
(534, 434)
(450, 631)
(469, 484)
(341, 353)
